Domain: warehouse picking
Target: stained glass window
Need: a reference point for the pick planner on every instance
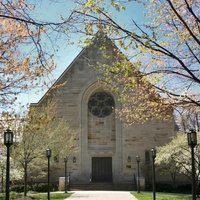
(101, 104)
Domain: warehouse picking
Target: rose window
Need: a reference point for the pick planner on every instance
(101, 104)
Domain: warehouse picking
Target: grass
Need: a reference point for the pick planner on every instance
(54, 196)
(37, 196)
(13, 195)
(162, 196)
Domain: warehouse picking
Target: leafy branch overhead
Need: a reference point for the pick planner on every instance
(27, 48)
(165, 50)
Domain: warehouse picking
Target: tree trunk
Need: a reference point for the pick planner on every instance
(197, 188)
(173, 175)
(197, 121)
(2, 180)
(25, 179)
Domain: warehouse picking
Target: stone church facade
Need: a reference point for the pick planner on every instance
(106, 148)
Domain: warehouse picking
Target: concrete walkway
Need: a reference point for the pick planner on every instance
(101, 195)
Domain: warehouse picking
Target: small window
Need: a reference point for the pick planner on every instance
(56, 159)
(147, 156)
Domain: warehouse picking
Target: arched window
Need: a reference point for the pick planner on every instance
(101, 104)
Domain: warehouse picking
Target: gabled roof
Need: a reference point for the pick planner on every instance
(97, 40)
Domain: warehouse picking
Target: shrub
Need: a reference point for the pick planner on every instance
(55, 186)
(185, 188)
(148, 186)
(41, 187)
(18, 188)
(164, 187)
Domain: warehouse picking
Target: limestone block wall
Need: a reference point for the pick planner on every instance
(101, 132)
(141, 138)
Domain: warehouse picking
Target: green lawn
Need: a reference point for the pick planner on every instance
(54, 196)
(37, 196)
(162, 196)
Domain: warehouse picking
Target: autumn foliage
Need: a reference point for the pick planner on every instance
(23, 60)
(165, 49)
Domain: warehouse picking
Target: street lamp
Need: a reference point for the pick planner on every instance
(8, 141)
(192, 142)
(153, 151)
(48, 155)
(65, 160)
(138, 173)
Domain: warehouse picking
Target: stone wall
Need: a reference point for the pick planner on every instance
(101, 137)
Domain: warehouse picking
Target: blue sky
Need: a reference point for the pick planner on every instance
(51, 11)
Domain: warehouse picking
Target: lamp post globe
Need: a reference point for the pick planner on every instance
(192, 137)
(8, 137)
(8, 141)
(48, 152)
(153, 151)
(138, 158)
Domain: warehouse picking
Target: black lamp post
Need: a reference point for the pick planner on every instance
(8, 141)
(48, 155)
(138, 173)
(153, 151)
(65, 160)
(192, 142)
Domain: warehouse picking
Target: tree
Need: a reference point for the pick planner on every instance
(26, 48)
(176, 157)
(15, 172)
(39, 130)
(2, 169)
(187, 118)
(165, 51)
(160, 59)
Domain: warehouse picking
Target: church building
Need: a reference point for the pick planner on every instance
(107, 148)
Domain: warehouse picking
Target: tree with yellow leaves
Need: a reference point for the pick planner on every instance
(165, 50)
(39, 130)
(26, 49)
(175, 158)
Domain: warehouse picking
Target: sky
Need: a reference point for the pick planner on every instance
(51, 11)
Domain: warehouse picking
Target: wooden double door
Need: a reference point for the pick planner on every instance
(102, 169)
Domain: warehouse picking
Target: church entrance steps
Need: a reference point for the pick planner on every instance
(103, 186)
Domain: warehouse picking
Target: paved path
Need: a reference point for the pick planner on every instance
(101, 195)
